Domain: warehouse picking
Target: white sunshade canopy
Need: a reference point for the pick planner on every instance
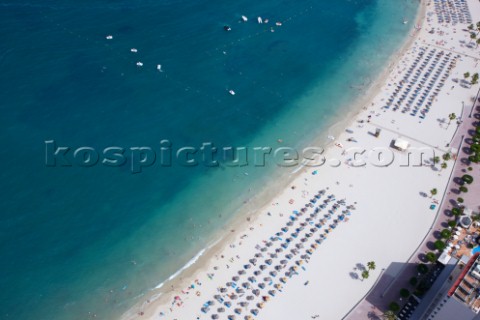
(401, 144)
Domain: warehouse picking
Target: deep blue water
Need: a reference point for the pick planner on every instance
(75, 240)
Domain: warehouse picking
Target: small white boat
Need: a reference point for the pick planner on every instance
(109, 37)
(134, 50)
(159, 67)
(259, 19)
(278, 24)
(405, 21)
(227, 28)
(231, 92)
(244, 18)
(265, 21)
(139, 64)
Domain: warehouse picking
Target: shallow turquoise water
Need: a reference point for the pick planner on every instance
(76, 240)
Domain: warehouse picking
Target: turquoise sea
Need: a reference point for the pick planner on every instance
(81, 240)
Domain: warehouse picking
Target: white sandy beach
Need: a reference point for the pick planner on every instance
(391, 210)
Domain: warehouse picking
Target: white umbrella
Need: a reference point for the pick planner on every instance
(457, 246)
(455, 237)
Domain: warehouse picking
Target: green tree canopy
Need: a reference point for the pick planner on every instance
(371, 265)
(393, 306)
(446, 233)
(404, 293)
(422, 268)
(431, 257)
(439, 245)
(467, 178)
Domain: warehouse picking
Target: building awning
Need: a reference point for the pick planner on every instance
(401, 144)
(444, 257)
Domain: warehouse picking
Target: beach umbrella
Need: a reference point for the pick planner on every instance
(223, 290)
(257, 272)
(249, 298)
(273, 273)
(288, 256)
(227, 304)
(240, 290)
(283, 279)
(278, 267)
(269, 244)
(240, 272)
(229, 284)
(254, 311)
(246, 285)
(258, 255)
(267, 279)
(248, 317)
(289, 223)
(278, 250)
(221, 309)
(217, 297)
(274, 255)
(231, 317)
(205, 309)
(214, 316)
(238, 310)
(266, 298)
(263, 267)
(233, 297)
(235, 278)
(256, 292)
(261, 285)
(272, 293)
(260, 305)
(278, 286)
(263, 249)
(247, 266)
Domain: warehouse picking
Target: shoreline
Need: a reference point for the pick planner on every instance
(238, 222)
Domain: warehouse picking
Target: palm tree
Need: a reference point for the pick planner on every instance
(436, 159)
(466, 75)
(473, 36)
(371, 265)
(389, 315)
(433, 191)
(365, 274)
(446, 156)
(444, 165)
(470, 27)
(477, 42)
(451, 116)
